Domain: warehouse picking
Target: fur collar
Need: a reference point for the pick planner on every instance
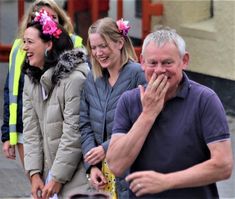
(68, 62)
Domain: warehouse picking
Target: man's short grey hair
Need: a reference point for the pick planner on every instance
(165, 35)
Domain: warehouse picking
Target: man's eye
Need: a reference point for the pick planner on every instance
(152, 64)
(167, 63)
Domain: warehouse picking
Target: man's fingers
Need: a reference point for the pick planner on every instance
(136, 187)
(153, 78)
(155, 82)
(159, 82)
(165, 88)
(162, 85)
(141, 91)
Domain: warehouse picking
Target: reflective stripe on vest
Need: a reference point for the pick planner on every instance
(16, 60)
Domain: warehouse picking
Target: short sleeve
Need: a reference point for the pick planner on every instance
(127, 111)
(213, 120)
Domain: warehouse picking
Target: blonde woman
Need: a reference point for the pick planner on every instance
(114, 70)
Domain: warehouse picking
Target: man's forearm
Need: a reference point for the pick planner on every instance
(124, 148)
(219, 167)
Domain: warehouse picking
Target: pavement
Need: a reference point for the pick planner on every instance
(226, 187)
(13, 181)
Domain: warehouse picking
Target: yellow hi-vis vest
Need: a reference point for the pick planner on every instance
(17, 57)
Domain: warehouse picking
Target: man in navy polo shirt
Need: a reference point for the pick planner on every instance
(173, 133)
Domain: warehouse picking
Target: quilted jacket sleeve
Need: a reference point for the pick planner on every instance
(33, 146)
(5, 125)
(87, 134)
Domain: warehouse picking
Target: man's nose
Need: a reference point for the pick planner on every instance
(159, 69)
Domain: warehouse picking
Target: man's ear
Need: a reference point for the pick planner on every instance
(142, 62)
(185, 60)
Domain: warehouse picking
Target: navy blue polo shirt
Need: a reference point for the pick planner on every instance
(178, 138)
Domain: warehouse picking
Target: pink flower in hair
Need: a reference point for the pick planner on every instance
(57, 33)
(42, 16)
(49, 26)
(123, 26)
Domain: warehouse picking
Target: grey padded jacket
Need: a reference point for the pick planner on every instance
(52, 140)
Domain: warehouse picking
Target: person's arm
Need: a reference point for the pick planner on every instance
(33, 146)
(87, 134)
(8, 150)
(15, 60)
(124, 148)
(6, 113)
(89, 146)
(218, 167)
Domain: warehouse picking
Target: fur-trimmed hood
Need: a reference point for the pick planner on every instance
(69, 61)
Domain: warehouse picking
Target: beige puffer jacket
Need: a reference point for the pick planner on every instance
(51, 123)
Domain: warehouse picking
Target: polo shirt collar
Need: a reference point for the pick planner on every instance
(184, 88)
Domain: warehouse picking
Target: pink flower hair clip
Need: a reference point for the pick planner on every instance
(48, 25)
(123, 26)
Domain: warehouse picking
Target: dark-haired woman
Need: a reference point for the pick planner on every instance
(54, 78)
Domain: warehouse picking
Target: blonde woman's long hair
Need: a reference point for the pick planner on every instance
(108, 30)
(64, 20)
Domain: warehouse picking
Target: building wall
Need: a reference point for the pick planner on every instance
(210, 41)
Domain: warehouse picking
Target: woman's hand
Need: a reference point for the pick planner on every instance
(9, 150)
(51, 188)
(37, 186)
(97, 179)
(95, 155)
